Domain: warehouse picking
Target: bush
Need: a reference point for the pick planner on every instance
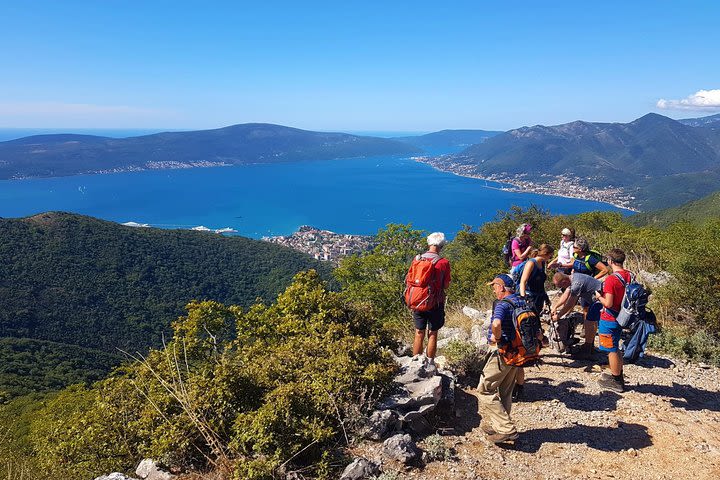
(277, 392)
(464, 358)
(688, 343)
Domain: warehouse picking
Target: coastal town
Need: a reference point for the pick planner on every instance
(324, 244)
(544, 184)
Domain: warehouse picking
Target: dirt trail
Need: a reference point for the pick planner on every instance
(665, 426)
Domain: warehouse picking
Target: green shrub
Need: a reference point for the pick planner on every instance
(464, 358)
(688, 343)
(277, 392)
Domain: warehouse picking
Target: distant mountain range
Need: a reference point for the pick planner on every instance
(66, 154)
(660, 161)
(448, 139)
(712, 121)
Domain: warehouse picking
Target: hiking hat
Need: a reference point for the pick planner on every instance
(566, 231)
(503, 279)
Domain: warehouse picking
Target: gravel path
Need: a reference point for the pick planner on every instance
(665, 426)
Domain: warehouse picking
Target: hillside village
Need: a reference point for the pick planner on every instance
(324, 244)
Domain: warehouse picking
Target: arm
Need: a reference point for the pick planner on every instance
(568, 305)
(603, 270)
(606, 300)
(496, 327)
(527, 271)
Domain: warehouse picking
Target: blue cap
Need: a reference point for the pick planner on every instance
(503, 279)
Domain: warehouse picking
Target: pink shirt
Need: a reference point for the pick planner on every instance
(518, 245)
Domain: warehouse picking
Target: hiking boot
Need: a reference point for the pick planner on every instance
(503, 437)
(518, 392)
(487, 429)
(609, 382)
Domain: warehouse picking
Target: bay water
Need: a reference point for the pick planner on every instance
(356, 196)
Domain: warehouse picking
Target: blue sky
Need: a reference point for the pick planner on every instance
(353, 66)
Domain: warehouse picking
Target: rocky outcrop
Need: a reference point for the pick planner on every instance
(359, 469)
(148, 469)
(401, 448)
(420, 388)
(115, 476)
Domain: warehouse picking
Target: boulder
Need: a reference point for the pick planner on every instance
(381, 424)
(401, 448)
(656, 279)
(115, 476)
(472, 313)
(148, 469)
(478, 334)
(414, 369)
(360, 468)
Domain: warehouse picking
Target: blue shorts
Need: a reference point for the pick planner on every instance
(609, 333)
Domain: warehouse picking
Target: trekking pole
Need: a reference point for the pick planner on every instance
(554, 334)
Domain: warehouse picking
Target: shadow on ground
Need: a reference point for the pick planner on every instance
(606, 439)
(542, 389)
(684, 396)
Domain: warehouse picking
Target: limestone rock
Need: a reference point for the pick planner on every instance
(360, 468)
(115, 476)
(401, 447)
(149, 470)
(381, 424)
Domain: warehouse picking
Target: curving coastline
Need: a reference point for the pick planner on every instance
(566, 187)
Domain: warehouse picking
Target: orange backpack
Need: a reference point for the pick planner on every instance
(419, 295)
(525, 346)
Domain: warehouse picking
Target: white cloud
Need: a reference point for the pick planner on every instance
(700, 100)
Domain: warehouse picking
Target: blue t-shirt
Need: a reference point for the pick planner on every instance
(504, 311)
(580, 267)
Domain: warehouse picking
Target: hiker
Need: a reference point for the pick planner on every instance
(581, 288)
(521, 246)
(586, 260)
(498, 378)
(564, 260)
(430, 316)
(611, 299)
(532, 280)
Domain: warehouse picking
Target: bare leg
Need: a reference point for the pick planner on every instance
(616, 363)
(590, 331)
(418, 342)
(432, 344)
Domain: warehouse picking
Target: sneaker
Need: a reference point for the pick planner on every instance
(518, 392)
(487, 429)
(503, 437)
(609, 383)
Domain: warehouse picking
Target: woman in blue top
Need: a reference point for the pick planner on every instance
(532, 281)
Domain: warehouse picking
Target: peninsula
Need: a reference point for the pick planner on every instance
(324, 244)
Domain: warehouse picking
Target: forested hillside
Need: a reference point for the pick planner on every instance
(696, 212)
(65, 154)
(660, 161)
(70, 283)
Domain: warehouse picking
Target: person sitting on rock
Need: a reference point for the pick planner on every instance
(434, 318)
(498, 378)
(582, 288)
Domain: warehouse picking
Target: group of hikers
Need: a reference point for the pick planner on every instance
(586, 278)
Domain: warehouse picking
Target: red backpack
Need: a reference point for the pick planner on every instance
(419, 295)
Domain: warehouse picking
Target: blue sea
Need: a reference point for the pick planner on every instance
(356, 196)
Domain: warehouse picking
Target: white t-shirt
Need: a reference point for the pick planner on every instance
(565, 253)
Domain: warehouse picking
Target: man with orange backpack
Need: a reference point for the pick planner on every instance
(425, 286)
(515, 342)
